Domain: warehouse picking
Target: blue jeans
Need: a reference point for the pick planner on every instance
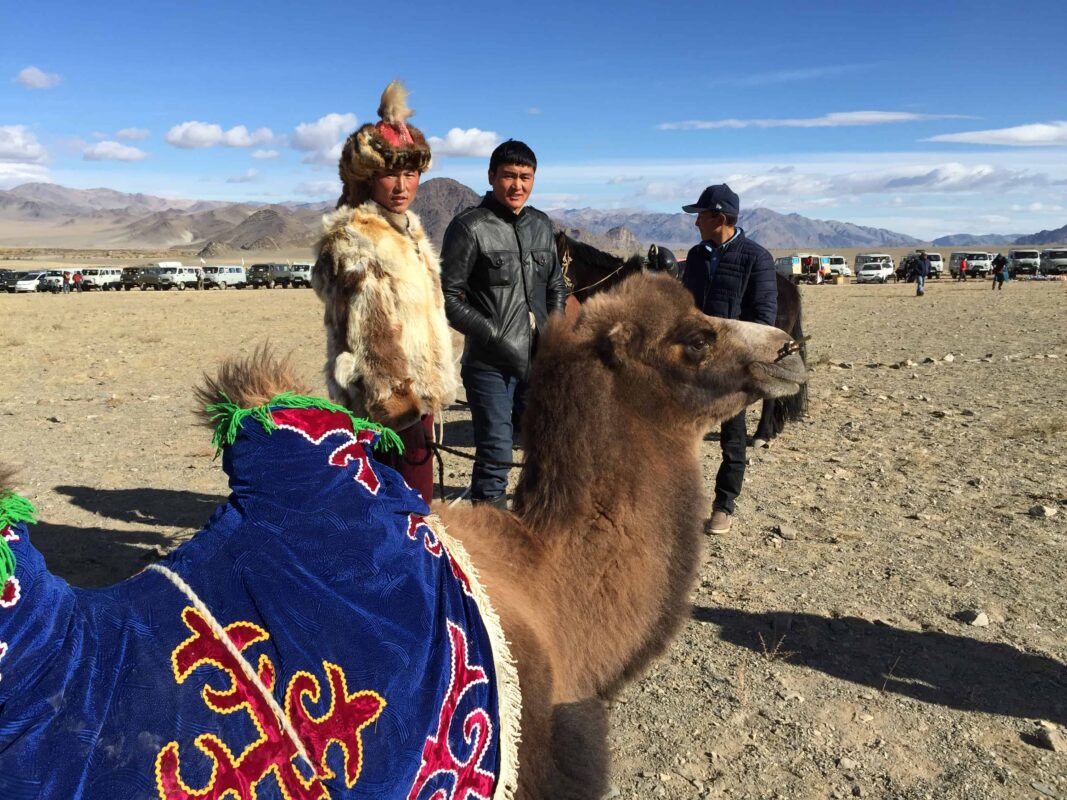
(496, 401)
(731, 473)
(920, 284)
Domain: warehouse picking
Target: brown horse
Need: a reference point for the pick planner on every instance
(588, 271)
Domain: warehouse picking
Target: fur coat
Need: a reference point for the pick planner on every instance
(388, 345)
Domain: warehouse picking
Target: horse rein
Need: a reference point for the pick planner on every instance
(565, 262)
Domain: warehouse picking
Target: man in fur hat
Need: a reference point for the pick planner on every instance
(501, 278)
(388, 346)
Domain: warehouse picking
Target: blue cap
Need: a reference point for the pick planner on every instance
(719, 198)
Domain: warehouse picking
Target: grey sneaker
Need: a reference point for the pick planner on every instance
(718, 523)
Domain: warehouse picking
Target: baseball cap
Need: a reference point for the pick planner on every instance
(719, 197)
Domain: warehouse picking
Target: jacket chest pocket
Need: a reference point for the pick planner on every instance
(502, 267)
(542, 263)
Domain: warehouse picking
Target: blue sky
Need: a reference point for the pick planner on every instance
(927, 118)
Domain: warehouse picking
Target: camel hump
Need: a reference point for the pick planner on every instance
(250, 381)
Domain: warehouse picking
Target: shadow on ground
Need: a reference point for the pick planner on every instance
(934, 667)
(94, 557)
(167, 507)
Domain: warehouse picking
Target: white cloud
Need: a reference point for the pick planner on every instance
(800, 74)
(132, 134)
(470, 142)
(1040, 134)
(193, 134)
(17, 143)
(837, 119)
(322, 139)
(618, 180)
(113, 151)
(248, 176)
(533, 110)
(328, 189)
(33, 78)
(265, 155)
(14, 174)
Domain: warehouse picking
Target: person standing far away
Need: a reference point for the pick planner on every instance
(388, 347)
(66, 282)
(501, 279)
(1000, 271)
(732, 277)
(962, 275)
(922, 271)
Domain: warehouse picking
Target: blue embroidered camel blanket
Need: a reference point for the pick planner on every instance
(321, 637)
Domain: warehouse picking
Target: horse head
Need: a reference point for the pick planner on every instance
(660, 259)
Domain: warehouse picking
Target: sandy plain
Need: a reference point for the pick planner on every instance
(824, 656)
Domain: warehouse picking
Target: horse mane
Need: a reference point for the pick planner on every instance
(250, 381)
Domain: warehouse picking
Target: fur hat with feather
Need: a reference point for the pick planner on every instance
(391, 143)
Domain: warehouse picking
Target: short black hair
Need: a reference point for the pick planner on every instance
(512, 152)
(730, 219)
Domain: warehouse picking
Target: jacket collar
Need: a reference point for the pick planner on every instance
(490, 202)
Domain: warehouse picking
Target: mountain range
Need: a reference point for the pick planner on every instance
(48, 215)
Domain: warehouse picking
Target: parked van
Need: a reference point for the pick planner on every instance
(864, 258)
(1054, 262)
(937, 264)
(180, 276)
(225, 276)
(878, 271)
(798, 267)
(978, 264)
(101, 278)
(300, 273)
(269, 275)
(131, 278)
(836, 265)
(148, 277)
(1023, 262)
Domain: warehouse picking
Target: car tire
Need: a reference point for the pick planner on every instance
(270, 284)
(181, 287)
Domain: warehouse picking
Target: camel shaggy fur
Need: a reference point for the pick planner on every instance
(592, 572)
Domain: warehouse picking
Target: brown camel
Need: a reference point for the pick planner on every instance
(592, 572)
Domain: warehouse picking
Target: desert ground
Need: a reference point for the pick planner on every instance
(829, 652)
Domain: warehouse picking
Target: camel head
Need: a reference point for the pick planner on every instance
(670, 362)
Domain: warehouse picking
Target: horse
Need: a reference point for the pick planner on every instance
(587, 271)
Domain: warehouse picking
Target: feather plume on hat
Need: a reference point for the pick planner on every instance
(385, 145)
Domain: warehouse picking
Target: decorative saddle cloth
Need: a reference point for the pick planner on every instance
(321, 637)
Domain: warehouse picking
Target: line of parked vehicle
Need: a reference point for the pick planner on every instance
(880, 267)
(160, 275)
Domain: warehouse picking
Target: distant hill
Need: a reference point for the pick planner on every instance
(438, 201)
(1058, 236)
(970, 239)
(769, 228)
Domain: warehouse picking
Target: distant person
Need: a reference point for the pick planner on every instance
(962, 275)
(388, 347)
(66, 282)
(1000, 271)
(921, 266)
(732, 277)
(501, 278)
(76, 279)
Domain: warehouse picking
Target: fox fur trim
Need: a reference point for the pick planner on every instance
(388, 345)
(378, 147)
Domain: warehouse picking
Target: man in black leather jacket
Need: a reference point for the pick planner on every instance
(501, 278)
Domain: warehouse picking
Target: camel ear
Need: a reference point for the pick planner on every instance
(617, 344)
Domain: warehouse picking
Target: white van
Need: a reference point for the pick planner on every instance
(836, 265)
(180, 276)
(225, 276)
(798, 267)
(1054, 262)
(102, 278)
(978, 264)
(1023, 262)
(301, 274)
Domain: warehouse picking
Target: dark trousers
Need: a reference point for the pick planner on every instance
(732, 440)
(496, 400)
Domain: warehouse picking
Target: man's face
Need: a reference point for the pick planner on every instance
(709, 223)
(395, 189)
(512, 184)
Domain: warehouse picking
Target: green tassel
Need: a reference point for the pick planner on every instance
(13, 509)
(228, 416)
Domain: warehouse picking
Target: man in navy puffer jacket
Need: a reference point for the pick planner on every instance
(732, 277)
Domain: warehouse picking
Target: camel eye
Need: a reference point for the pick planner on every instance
(698, 343)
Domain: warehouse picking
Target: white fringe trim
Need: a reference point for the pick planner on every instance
(509, 694)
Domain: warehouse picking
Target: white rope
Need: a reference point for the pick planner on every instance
(250, 673)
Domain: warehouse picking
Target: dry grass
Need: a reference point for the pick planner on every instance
(1044, 428)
